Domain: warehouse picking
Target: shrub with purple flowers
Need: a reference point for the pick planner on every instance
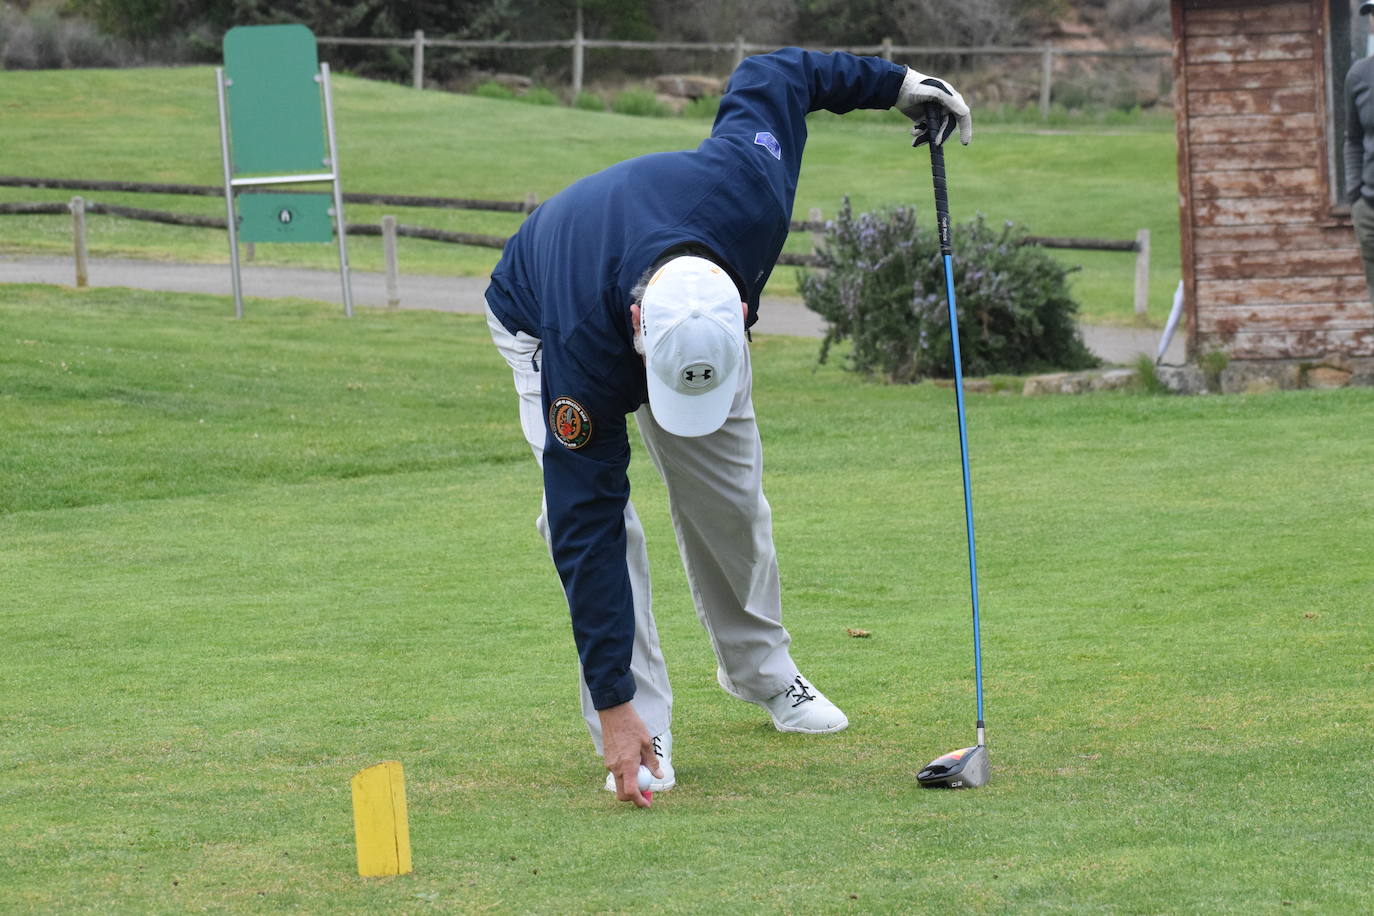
(881, 285)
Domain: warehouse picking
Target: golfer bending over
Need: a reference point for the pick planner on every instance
(631, 292)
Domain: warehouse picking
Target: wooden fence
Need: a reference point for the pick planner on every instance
(389, 229)
(578, 45)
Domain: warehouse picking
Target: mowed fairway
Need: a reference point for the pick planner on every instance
(243, 560)
(160, 125)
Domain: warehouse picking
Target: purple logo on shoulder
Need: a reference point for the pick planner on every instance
(769, 142)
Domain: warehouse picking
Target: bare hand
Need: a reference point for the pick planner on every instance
(626, 745)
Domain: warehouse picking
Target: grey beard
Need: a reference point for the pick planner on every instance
(639, 341)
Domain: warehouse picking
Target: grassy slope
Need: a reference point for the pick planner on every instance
(244, 559)
(160, 125)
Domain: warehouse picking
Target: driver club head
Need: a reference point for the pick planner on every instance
(966, 768)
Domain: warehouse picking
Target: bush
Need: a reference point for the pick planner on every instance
(704, 108)
(34, 43)
(493, 90)
(640, 103)
(1148, 375)
(42, 40)
(1212, 364)
(85, 47)
(589, 101)
(539, 95)
(882, 286)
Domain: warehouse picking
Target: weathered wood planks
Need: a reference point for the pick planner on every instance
(1271, 270)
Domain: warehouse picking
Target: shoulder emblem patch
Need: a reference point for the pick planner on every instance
(570, 423)
(769, 142)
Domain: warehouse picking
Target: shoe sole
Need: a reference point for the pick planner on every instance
(803, 731)
(778, 725)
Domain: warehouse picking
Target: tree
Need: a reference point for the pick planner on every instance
(150, 21)
(764, 21)
(972, 22)
(845, 22)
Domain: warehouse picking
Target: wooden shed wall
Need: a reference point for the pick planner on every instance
(1270, 269)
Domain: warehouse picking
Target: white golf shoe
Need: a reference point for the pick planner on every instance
(800, 707)
(663, 747)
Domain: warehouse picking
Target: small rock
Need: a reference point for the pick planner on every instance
(1182, 379)
(1336, 361)
(1076, 383)
(1254, 377)
(1045, 384)
(1364, 372)
(1326, 377)
(1114, 380)
(977, 386)
(687, 86)
(674, 103)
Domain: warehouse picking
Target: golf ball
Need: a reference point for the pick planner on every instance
(646, 778)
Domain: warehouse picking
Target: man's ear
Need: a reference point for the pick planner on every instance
(634, 316)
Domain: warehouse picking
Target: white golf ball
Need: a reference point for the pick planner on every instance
(646, 778)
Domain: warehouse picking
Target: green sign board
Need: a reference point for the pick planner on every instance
(285, 218)
(274, 99)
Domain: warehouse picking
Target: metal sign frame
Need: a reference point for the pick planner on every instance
(232, 184)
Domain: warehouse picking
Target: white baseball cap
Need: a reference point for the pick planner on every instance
(693, 328)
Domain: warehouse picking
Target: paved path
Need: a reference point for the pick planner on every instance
(450, 294)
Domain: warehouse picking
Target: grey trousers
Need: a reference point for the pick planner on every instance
(1362, 215)
(724, 533)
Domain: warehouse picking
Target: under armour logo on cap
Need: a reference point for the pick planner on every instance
(697, 376)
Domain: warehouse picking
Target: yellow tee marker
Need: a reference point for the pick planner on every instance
(379, 820)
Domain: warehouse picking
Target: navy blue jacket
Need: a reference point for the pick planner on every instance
(565, 278)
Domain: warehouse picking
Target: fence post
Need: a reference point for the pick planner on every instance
(78, 208)
(579, 50)
(1046, 79)
(578, 63)
(531, 201)
(817, 235)
(1142, 272)
(887, 49)
(250, 251)
(393, 295)
(419, 59)
(739, 52)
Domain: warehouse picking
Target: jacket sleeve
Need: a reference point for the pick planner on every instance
(586, 488)
(1354, 135)
(775, 92)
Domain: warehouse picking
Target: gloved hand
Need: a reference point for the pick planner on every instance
(918, 89)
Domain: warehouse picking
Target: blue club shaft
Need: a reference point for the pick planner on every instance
(934, 117)
(968, 487)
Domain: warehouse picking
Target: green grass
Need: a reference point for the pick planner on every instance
(242, 560)
(1097, 180)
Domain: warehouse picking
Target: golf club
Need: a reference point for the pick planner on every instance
(968, 766)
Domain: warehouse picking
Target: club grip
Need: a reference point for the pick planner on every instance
(935, 117)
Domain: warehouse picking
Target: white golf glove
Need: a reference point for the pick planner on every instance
(918, 89)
